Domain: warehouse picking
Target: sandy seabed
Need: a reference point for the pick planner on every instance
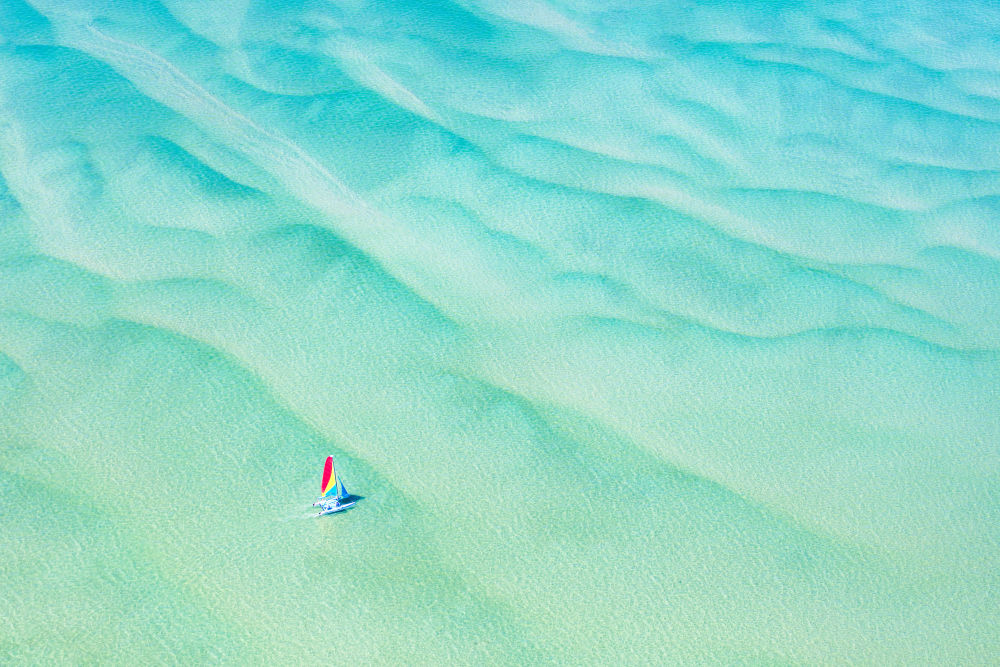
(649, 332)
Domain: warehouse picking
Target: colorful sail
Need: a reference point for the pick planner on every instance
(330, 487)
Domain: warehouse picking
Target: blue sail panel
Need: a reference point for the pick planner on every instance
(334, 485)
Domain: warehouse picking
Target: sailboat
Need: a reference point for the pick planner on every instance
(335, 497)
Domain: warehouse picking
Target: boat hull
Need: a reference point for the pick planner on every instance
(333, 509)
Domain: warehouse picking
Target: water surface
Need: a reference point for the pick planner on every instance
(650, 332)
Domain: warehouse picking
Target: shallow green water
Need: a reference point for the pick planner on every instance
(650, 333)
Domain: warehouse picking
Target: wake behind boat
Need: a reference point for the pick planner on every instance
(335, 497)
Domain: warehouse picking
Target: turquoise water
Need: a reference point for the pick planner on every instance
(650, 332)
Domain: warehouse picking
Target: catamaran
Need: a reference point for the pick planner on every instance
(335, 497)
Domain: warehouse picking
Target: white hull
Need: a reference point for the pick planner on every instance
(332, 509)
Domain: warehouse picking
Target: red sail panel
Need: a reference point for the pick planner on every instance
(327, 473)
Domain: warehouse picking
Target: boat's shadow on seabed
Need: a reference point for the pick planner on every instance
(351, 498)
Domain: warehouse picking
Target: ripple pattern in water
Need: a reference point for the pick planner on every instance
(650, 332)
